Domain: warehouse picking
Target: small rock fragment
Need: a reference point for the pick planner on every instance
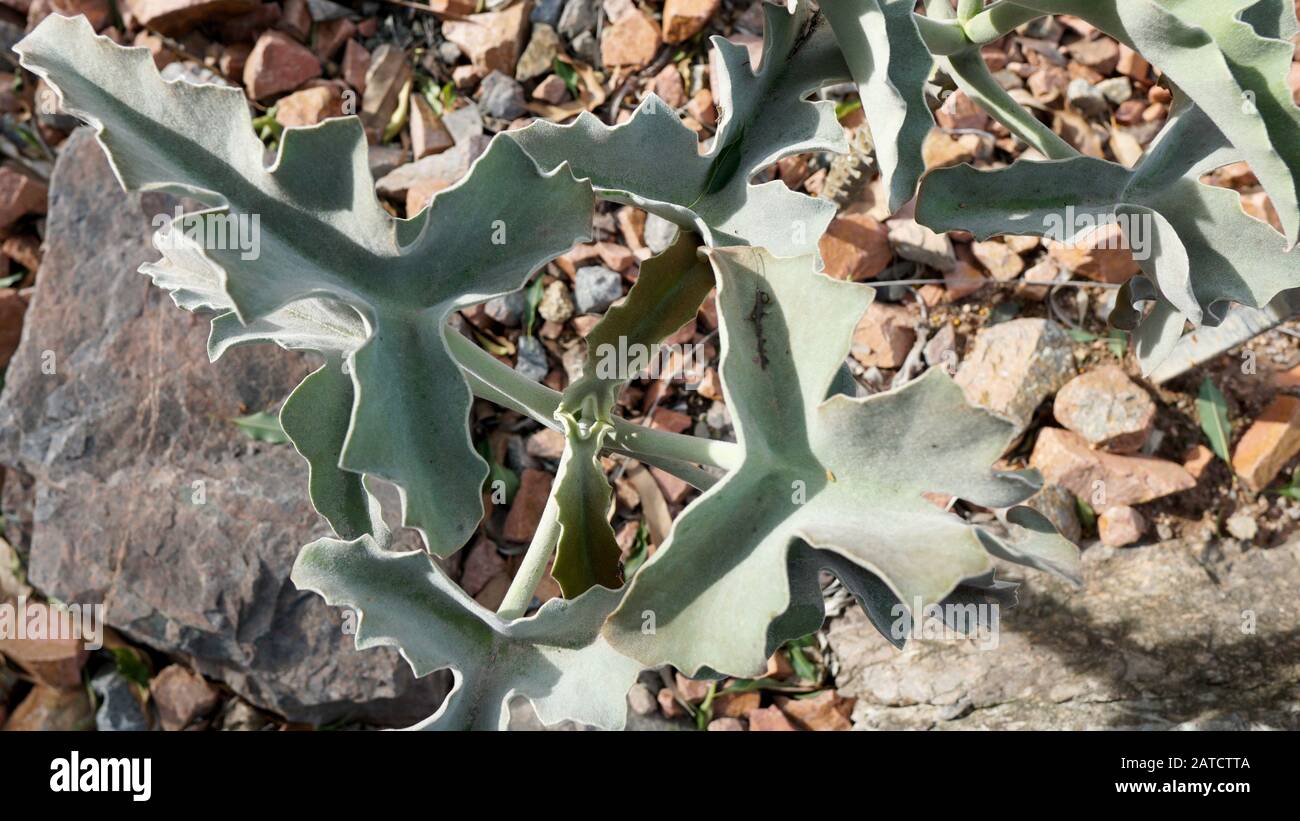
(551, 90)
(277, 64)
(1269, 443)
(295, 19)
(1015, 365)
(538, 58)
(1102, 256)
(1104, 479)
(20, 194)
(356, 62)
(56, 662)
(556, 304)
(769, 719)
(942, 351)
(827, 710)
(12, 309)
(48, 708)
(736, 705)
(506, 309)
(502, 97)
(1197, 459)
(641, 700)
(386, 76)
(1101, 55)
(547, 12)
(530, 358)
(959, 111)
(1120, 526)
(428, 134)
(309, 106)
(998, 259)
(596, 288)
(1086, 98)
(526, 509)
(914, 241)
(120, 708)
(630, 41)
(962, 281)
(855, 247)
(1107, 408)
(431, 174)
(579, 16)
(670, 87)
(1243, 526)
(683, 19)
(667, 700)
(181, 696)
(659, 233)
(330, 35)
(725, 724)
(1117, 90)
(176, 17)
(492, 40)
(691, 690)
(482, 564)
(941, 150)
(546, 443)
(884, 336)
(701, 108)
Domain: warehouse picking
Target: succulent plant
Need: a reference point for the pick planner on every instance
(819, 478)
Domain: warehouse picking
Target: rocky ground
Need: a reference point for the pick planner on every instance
(126, 482)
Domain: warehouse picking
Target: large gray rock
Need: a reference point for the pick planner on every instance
(108, 450)
(1171, 635)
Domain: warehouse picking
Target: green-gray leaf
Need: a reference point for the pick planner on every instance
(845, 475)
(1233, 71)
(1212, 409)
(890, 65)
(263, 427)
(764, 118)
(1204, 251)
(325, 236)
(555, 658)
(586, 554)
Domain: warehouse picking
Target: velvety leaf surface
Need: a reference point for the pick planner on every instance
(890, 65)
(844, 475)
(555, 658)
(764, 118)
(321, 233)
(1234, 72)
(1203, 251)
(586, 554)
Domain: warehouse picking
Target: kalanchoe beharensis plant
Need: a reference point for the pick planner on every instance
(819, 478)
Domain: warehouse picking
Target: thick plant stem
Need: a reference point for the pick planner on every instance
(945, 35)
(997, 21)
(971, 73)
(491, 380)
(966, 9)
(938, 10)
(942, 37)
(633, 439)
(520, 595)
